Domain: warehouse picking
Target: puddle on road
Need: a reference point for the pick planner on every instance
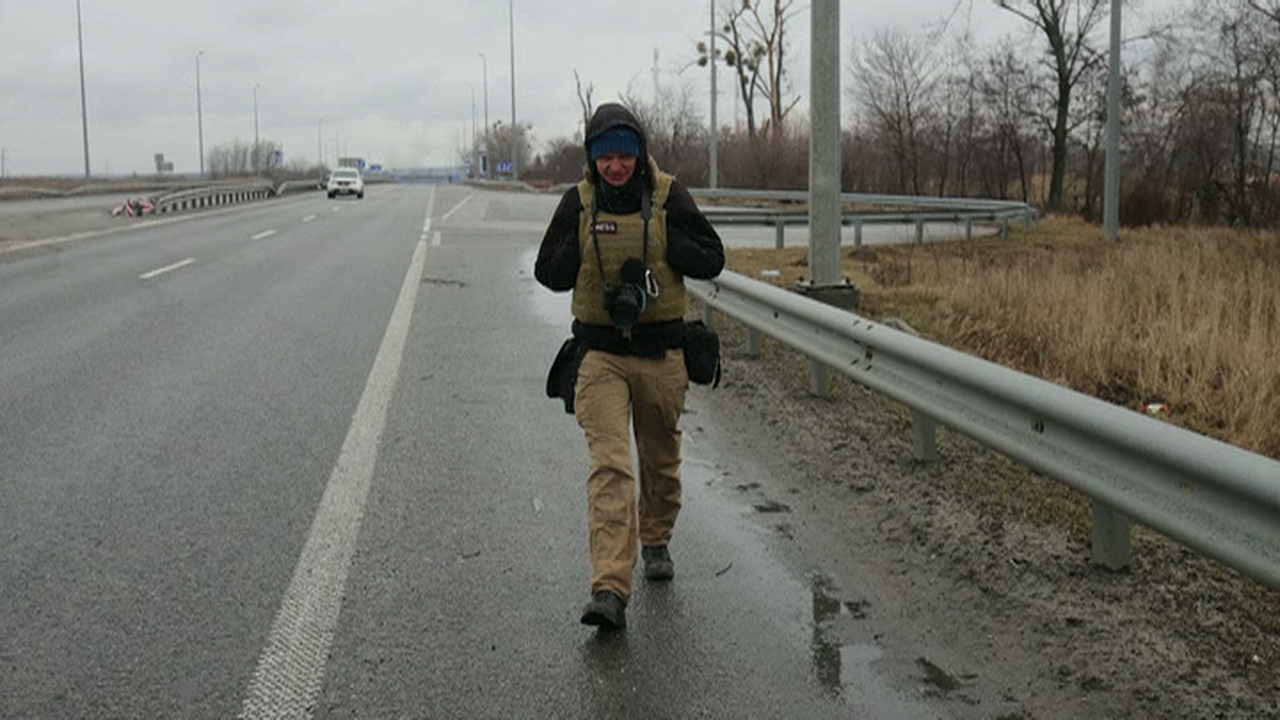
(850, 662)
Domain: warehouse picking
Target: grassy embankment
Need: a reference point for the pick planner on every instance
(1185, 316)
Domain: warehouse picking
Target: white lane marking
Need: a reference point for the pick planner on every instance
(435, 239)
(336, 209)
(308, 218)
(263, 235)
(291, 668)
(167, 269)
(431, 208)
(455, 207)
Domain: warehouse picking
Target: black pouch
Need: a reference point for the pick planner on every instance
(564, 372)
(702, 353)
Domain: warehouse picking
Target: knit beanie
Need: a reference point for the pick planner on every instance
(617, 139)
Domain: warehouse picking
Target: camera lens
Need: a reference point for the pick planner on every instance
(625, 305)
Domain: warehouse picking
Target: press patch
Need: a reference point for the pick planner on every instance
(605, 227)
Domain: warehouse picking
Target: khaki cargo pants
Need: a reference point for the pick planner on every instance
(612, 391)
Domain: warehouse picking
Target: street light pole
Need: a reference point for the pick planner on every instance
(199, 113)
(84, 105)
(485, 145)
(711, 60)
(1111, 183)
(320, 142)
(515, 154)
(255, 129)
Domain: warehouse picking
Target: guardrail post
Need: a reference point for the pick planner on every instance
(919, 232)
(755, 341)
(1111, 531)
(1004, 229)
(818, 378)
(924, 432)
(779, 230)
(968, 229)
(857, 232)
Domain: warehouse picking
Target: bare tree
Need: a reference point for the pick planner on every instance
(1006, 89)
(754, 38)
(1067, 26)
(1270, 8)
(584, 99)
(895, 83)
(677, 137)
(507, 144)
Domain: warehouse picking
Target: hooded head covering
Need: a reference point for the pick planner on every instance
(613, 123)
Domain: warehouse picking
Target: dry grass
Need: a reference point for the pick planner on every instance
(1185, 316)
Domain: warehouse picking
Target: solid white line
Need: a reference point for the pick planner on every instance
(166, 269)
(308, 218)
(266, 234)
(455, 207)
(435, 239)
(291, 668)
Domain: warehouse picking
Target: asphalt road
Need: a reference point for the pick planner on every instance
(294, 460)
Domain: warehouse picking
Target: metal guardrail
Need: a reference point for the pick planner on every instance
(923, 211)
(226, 193)
(1220, 500)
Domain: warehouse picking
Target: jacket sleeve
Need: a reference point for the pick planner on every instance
(694, 248)
(559, 255)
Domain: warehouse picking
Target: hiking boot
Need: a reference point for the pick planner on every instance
(606, 610)
(657, 562)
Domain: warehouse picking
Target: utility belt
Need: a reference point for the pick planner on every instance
(700, 344)
(647, 340)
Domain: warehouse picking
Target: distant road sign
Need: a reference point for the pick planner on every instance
(375, 168)
(504, 166)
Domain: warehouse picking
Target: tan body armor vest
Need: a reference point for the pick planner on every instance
(622, 237)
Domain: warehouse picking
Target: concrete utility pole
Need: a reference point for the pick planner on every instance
(824, 168)
(1111, 203)
(84, 105)
(199, 114)
(515, 153)
(715, 139)
(824, 144)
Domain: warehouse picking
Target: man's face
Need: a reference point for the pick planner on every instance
(616, 168)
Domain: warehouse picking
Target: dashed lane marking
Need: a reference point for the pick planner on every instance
(166, 269)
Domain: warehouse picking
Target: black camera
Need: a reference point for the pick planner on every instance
(626, 302)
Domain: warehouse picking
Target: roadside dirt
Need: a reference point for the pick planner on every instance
(1019, 622)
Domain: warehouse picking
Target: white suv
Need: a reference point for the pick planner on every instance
(346, 181)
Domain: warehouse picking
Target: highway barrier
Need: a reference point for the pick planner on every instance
(1217, 499)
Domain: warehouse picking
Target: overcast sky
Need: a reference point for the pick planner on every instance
(388, 80)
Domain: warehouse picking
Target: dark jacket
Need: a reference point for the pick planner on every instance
(693, 246)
